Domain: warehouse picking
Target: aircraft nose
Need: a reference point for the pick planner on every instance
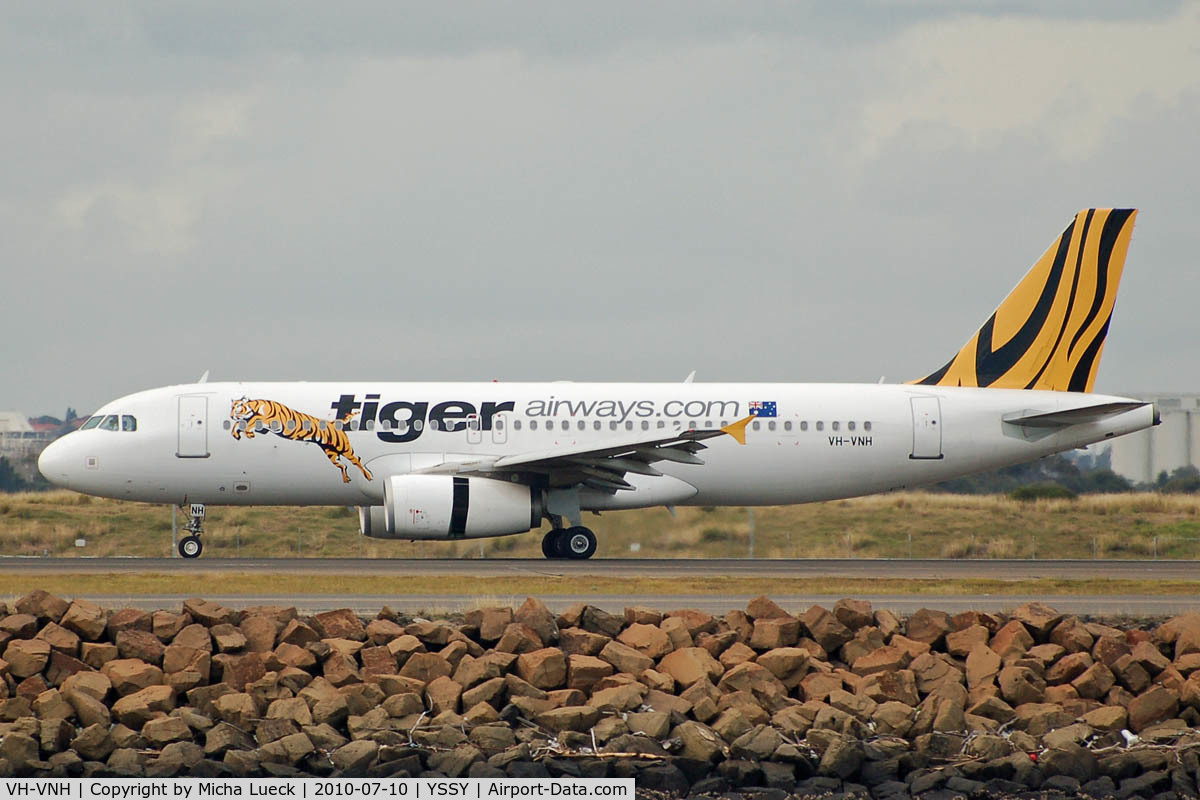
(55, 462)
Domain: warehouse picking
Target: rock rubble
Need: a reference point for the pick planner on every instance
(844, 700)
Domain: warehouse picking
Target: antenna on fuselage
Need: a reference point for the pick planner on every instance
(691, 376)
(203, 378)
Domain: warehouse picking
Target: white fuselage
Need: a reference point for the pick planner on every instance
(825, 441)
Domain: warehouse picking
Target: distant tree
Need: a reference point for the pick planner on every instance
(71, 415)
(1057, 470)
(1184, 480)
(10, 481)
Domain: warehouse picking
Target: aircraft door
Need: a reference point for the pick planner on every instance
(500, 424)
(193, 427)
(927, 428)
(474, 435)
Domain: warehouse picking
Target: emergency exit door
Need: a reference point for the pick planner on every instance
(193, 427)
(927, 427)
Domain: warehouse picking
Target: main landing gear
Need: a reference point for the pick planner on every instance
(190, 546)
(578, 543)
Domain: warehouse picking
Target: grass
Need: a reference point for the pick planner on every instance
(883, 526)
(201, 584)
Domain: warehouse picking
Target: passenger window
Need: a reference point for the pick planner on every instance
(662, 424)
(566, 425)
(804, 426)
(277, 427)
(820, 426)
(849, 426)
(691, 424)
(596, 425)
(771, 425)
(337, 424)
(498, 424)
(91, 423)
(835, 425)
(612, 426)
(629, 426)
(110, 423)
(517, 424)
(582, 425)
(866, 426)
(533, 424)
(128, 423)
(369, 424)
(387, 424)
(226, 425)
(787, 426)
(645, 425)
(756, 425)
(323, 425)
(418, 424)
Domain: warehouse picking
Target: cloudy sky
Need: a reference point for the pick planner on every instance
(613, 191)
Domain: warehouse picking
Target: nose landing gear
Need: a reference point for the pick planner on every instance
(575, 543)
(190, 546)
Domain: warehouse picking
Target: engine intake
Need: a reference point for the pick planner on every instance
(450, 507)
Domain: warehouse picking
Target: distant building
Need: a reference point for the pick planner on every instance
(19, 439)
(14, 422)
(1175, 443)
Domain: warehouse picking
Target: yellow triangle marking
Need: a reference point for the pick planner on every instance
(738, 429)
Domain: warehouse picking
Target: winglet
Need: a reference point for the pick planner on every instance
(738, 429)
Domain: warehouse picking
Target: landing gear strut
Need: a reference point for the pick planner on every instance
(575, 543)
(190, 546)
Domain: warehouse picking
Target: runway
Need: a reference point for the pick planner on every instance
(862, 568)
(1088, 606)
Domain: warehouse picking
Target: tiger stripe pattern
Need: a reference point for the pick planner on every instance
(248, 414)
(1049, 332)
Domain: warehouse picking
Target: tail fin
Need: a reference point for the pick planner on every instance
(1048, 334)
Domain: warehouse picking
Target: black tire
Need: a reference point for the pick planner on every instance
(550, 544)
(577, 543)
(191, 547)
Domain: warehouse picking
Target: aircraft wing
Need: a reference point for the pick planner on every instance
(601, 465)
(1074, 416)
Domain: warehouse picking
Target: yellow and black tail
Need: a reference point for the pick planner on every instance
(1048, 334)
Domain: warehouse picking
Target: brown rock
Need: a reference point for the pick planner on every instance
(1072, 635)
(166, 625)
(1149, 656)
(426, 666)
(866, 640)
(63, 666)
(676, 629)
(642, 615)
(89, 682)
(519, 638)
(300, 634)
(140, 644)
(1020, 685)
(128, 619)
(887, 622)
(491, 622)
(129, 675)
(983, 664)
(340, 624)
(19, 626)
(43, 605)
(236, 708)
(583, 672)
(788, 664)
(618, 698)
(775, 632)
(1108, 649)
(1068, 668)
(165, 730)
(1037, 719)
(1106, 718)
(238, 671)
(569, 718)
(1151, 707)
(599, 621)
(534, 615)
(932, 671)
(819, 685)
(140, 707)
(377, 660)
(382, 631)
(432, 634)
(899, 686)
(854, 614)
(50, 704)
(545, 668)
(1039, 618)
(86, 620)
(258, 633)
(649, 640)
(26, 657)
(194, 635)
(209, 614)
(825, 628)
(961, 642)
(739, 624)
(696, 621)
(443, 694)
(60, 639)
(739, 653)
(31, 687)
(928, 626)
(1012, 640)
(763, 607)
(883, 659)
(89, 709)
(178, 658)
(402, 647)
(625, 658)
(340, 669)
(1094, 682)
(691, 664)
(752, 678)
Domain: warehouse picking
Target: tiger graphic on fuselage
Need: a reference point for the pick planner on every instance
(247, 414)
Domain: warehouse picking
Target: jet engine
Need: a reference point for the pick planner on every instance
(450, 507)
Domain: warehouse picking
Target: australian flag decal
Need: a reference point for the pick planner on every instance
(762, 408)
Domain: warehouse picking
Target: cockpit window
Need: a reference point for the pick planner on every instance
(110, 423)
(128, 423)
(91, 423)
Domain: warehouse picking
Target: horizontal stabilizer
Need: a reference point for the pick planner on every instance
(1075, 416)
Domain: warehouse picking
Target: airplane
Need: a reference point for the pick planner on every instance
(466, 460)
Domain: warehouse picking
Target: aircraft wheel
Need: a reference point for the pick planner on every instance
(550, 544)
(190, 547)
(578, 543)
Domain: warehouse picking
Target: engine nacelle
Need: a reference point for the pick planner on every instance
(450, 507)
